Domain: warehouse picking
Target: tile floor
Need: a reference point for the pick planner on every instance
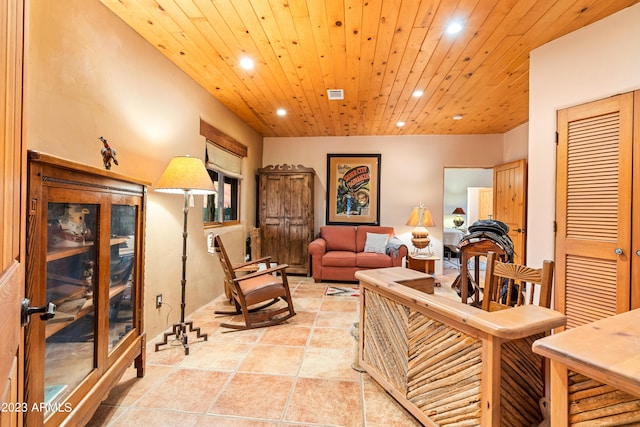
(295, 374)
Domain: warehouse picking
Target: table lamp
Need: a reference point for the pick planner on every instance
(420, 218)
(458, 220)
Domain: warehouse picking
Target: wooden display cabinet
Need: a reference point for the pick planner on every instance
(85, 248)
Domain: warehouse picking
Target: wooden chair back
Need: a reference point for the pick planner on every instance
(256, 290)
(225, 262)
(508, 285)
(231, 269)
(474, 251)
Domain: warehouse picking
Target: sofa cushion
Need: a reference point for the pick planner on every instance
(361, 236)
(376, 243)
(373, 260)
(339, 237)
(339, 259)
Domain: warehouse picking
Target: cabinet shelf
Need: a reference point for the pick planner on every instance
(54, 325)
(118, 240)
(59, 253)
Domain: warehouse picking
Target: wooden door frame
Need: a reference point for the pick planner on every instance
(12, 211)
(635, 210)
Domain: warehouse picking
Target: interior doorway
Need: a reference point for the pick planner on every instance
(465, 189)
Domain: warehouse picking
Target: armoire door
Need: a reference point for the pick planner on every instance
(594, 209)
(298, 214)
(272, 216)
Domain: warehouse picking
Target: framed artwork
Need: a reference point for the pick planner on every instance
(353, 189)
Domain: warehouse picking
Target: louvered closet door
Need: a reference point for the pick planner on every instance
(593, 209)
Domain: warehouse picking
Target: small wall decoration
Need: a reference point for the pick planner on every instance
(353, 189)
(108, 154)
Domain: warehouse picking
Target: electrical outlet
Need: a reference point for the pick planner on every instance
(158, 300)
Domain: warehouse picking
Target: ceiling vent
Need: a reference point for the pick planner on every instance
(335, 94)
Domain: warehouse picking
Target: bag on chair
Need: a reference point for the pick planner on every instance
(457, 282)
(490, 225)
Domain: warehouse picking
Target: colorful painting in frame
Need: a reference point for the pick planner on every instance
(353, 189)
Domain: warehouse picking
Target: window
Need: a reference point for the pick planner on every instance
(222, 207)
(224, 156)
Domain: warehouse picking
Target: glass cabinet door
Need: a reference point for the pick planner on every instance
(122, 279)
(70, 280)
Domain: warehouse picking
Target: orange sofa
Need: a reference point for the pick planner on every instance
(341, 250)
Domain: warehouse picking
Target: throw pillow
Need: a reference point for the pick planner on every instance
(376, 243)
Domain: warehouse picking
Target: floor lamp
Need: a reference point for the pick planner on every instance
(187, 176)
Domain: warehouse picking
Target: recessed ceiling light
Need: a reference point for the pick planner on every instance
(457, 117)
(400, 124)
(246, 63)
(418, 93)
(454, 27)
(281, 112)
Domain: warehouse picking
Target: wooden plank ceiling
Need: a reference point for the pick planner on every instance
(377, 51)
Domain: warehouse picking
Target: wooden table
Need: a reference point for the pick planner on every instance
(423, 263)
(444, 360)
(607, 351)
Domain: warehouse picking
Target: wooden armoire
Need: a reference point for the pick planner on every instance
(285, 214)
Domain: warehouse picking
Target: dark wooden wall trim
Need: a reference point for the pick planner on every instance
(222, 140)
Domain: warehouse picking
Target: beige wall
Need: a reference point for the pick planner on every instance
(595, 62)
(412, 170)
(90, 75)
(516, 144)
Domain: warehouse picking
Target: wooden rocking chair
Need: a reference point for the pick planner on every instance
(261, 287)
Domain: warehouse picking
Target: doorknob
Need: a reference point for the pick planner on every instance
(618, 251)
(520, 230)
(48, 311)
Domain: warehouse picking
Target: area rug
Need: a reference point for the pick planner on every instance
(342, 292)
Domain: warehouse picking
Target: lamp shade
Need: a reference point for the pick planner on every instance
(185, 174)
(421, 217)
(458, 211)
